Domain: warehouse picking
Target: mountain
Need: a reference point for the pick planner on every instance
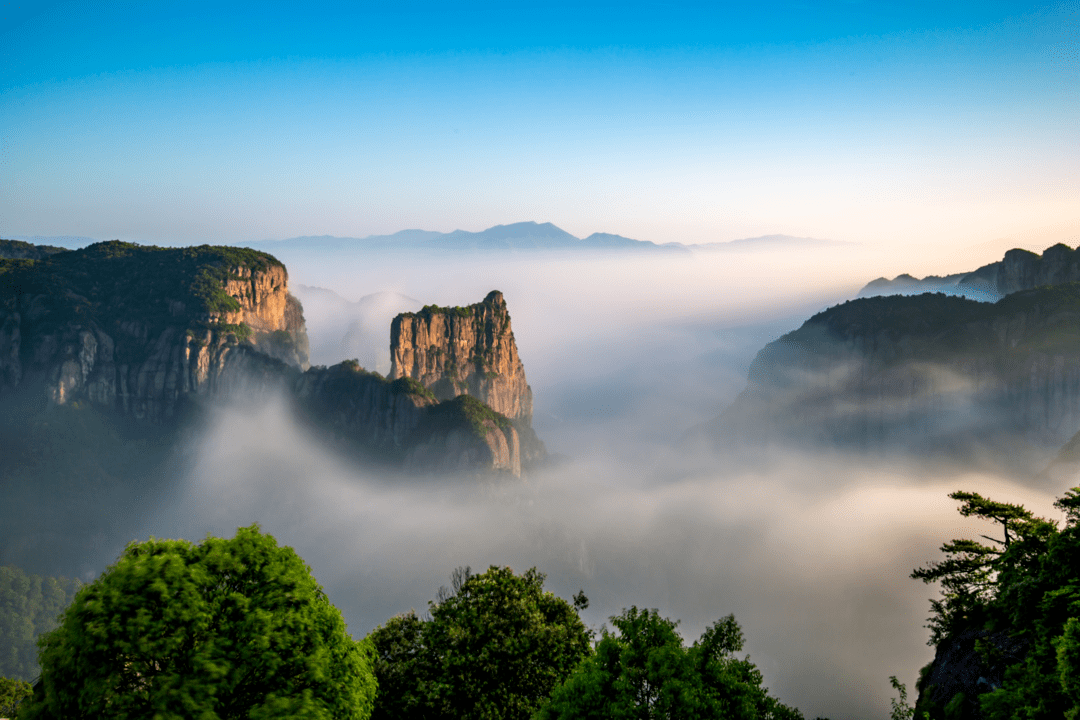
(146, 336)
(1018, 270)
(520, 236)
(65, 242)
(19, 250)
(932, 373)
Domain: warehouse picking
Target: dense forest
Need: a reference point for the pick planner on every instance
(240, 628)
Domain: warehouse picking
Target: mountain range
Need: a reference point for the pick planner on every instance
(520, 236)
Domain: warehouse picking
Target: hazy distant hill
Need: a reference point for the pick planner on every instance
(932, 373)
(516, 236)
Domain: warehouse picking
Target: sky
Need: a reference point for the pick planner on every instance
(885, 123)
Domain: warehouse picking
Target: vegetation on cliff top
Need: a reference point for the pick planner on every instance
(465, 412)
(116, 282)
(462, 311)
(935, 326)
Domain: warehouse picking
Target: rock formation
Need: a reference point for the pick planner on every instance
(1018, 270)
(463, 351)
(140, 329)
(928, 373)
(143, 332)
(959, 674)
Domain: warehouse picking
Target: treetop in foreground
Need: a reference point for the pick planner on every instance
(1007, 625)
(495, 646)
(644, 671)
(228, 628)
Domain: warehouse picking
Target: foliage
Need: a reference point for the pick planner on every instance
(645, 671)
(494, 647)
(12, 694)
(900, 708)
(226, 629)
(465, 411)
(17, 249)
(411, 386)
(1028, 586)
(29, 606)
(115, 282)
(934, 326)
(968, 575)
(457, 310)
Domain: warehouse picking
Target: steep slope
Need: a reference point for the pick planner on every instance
(140, 328)
(929, 373)
(469, 351)
(463, 350)
(1018, 270)
(143, 332)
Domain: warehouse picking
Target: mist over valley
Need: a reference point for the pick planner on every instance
(631, 360)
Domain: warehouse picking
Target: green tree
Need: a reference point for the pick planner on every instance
(969, 572)
(495, 646)
(900, 708)
(1027, 585)
(643, 671)
(233, 628)
(12, 694)
(29, 606)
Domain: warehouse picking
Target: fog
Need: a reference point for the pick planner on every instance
(626, 355)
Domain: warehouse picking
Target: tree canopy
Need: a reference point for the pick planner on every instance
(29, 606)
(495, 646)
(643, 671)
(229, 628)
(1026, 586)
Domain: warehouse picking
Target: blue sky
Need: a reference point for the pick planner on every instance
(873, 122)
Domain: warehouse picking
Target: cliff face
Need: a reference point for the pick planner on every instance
(464, 350)
(1018, 270)
(142, 331)
(138, 329)
(928, 372)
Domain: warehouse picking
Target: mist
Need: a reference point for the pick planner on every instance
(626, 355)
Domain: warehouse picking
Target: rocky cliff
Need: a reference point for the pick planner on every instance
(140, 329)
(463, 351)
(142, 332)
(928, 372)
(1018, 270)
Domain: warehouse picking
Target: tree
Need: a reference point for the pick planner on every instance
(29, 607)
(12, 693)
(1025, 588)
(495, 646)
(968, 574)
(644, 671)
(225, 629)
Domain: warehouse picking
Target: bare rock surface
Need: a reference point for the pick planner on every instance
(463, 351)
